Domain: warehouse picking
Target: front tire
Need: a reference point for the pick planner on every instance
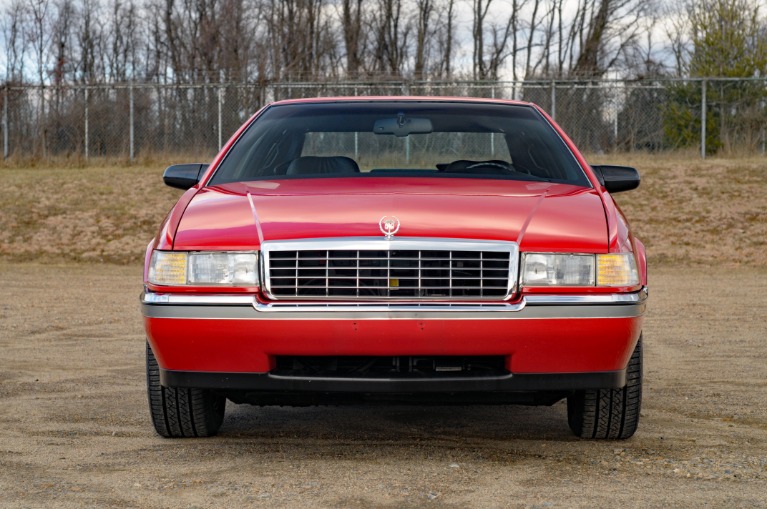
(609, 413)
(179, 412)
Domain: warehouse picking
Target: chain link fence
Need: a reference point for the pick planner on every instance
(132, 120)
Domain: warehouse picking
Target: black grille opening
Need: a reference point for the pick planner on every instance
(390, 366)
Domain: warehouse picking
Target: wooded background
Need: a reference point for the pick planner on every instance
(114, 77)
(54, 42)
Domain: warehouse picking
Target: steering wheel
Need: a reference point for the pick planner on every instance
(492, 164)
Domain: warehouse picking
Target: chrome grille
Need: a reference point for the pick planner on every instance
(351, 269)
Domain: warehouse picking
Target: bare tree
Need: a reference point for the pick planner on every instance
(172, 40)
(123, 39)
(533, 26)
(448, 52)
(299, 38)
(442, 37)
(500, 32)
(390, 50)
(39, 35)
(677, 31)
(15, 41)
(89, 41)
(222, 41)
(353, 37)
(608, 28)
(238, 22)
(480, 9)
(424, 13)
(62, 40)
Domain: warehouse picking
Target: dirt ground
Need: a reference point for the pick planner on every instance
(75, 431)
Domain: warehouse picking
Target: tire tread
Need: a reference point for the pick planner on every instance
(609, 413)
(181, 412)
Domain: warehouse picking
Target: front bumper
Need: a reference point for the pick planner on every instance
(549, 343)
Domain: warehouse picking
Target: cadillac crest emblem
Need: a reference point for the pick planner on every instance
(389, 226)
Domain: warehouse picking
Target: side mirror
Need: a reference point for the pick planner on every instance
(183, 176)
(617, 178)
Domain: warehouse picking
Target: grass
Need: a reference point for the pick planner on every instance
(105, 214)
(686, 211)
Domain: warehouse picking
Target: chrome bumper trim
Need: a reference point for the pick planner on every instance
(530, 300)
(197, 300)
(610, 298)
(242, 307)
(280, 307)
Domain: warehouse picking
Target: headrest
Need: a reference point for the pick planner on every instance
(313, 165)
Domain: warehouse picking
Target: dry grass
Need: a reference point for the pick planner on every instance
(687, 211)
(77, 161)
(690, 211)
(81, 214)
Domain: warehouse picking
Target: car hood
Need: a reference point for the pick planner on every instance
(537, 215)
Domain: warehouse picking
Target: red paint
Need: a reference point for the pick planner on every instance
(533, 346)
(617, 233)
(568, 219)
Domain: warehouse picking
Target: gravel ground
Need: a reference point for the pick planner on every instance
(75, 431)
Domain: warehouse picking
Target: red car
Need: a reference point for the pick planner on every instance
(428, 250)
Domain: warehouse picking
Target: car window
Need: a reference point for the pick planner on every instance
(417, 151)
(400, 138)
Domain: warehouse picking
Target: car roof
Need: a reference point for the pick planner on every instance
(389, 98)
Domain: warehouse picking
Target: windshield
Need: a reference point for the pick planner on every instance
(400, 138)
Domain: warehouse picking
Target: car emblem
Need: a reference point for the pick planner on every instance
(389, 226)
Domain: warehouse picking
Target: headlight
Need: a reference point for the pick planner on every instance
(223, 269)
(547, 269)
(174, 268)
(554, 269)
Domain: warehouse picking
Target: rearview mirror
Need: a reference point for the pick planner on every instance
(183, 176)
(617, 178)
(402, 126)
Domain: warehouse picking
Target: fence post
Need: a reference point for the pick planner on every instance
(554, 100)
(86, 122)
(764, 137)
(615, 124)
(492, 135)
(6, 151)
(130, 108)
(42, 126)
(703, 114)
(220, 117)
